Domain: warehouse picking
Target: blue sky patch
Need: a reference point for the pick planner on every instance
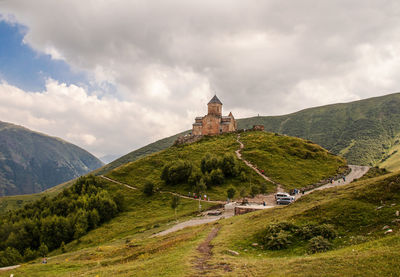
(23, 67)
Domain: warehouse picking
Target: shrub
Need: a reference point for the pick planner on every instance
(43, 250)
(29, 254)
(254, 191)
(243, 176)
(216, 177)
(194, 178)
(277, 241)
(10, 256)
(230, 192)
(200, 187)
(326, 230)
(319, 244)
(208, 163)
(228, 165)
(278, 235)
(148, 189)
(62, 247)
(263, 188)
(177, 172)
(309, 231)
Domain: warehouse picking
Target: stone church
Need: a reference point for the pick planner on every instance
(214, 123)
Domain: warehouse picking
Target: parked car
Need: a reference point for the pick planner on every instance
(285, 200)
(283, 195)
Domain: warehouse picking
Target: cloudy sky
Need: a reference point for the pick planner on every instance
(112, 76)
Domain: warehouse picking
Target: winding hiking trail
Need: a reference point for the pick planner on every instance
(249, 164)
(357, 171)
(116, 182)
(161, 191)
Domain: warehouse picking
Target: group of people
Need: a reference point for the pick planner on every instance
(297, 191)
(198, 196)
(331, 180)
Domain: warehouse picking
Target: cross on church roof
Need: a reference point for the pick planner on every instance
(215, 100)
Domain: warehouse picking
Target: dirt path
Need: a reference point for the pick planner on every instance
(357, 171)
(169, 192)
(239, 155)
(201, 265)
(187, 197)
(116, 182)
(189, 223)
(9, 267)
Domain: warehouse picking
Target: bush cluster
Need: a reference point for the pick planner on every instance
(47, 223)
(281, 235)
(213, 171)
(177, 172)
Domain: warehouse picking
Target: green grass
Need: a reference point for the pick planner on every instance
(10, 203)
(361, 248)
(143, 213)
(139, 153)
(290, 161)
(318, 165)
(364, 132)
(352, 210)
(149, 168)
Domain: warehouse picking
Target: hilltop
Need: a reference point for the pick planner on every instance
(31, 162)
(282, 158)
(350, 223)
(148, 166)
(365, 132)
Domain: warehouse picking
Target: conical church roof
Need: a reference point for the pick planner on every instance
(215, 100)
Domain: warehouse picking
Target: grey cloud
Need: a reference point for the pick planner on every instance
(267, 57)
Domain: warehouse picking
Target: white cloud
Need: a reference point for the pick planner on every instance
(163, 58)
(100, 125)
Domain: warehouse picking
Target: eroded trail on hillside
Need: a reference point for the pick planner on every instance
(201, 263)
(161, 191)
(249, 164)
(116, 182)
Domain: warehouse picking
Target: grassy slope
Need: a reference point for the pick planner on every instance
(8, 203)
(365, 131)
(149, 168)
(360, 250)
(323, 164)
(351, 209)
(139, 153)
(151, 165)
(290, 161)
(17, 201)
(125, 238)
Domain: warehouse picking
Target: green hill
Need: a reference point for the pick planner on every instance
(352, 220)
(283, 158)
(141, 152)
(310, 171)
(31, 162)
(365, 132)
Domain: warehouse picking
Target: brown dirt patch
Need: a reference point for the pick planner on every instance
(201, 265)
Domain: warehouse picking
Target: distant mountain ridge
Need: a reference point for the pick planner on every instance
(32, 162)
(365, 132)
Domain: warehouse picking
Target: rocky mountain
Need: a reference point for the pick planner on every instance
(32, 162)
